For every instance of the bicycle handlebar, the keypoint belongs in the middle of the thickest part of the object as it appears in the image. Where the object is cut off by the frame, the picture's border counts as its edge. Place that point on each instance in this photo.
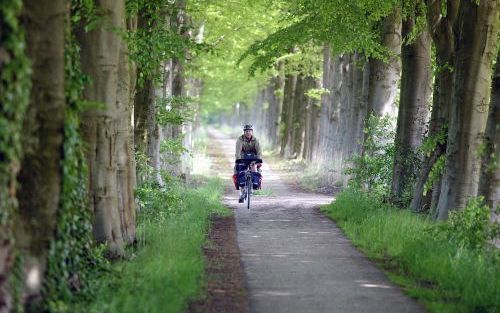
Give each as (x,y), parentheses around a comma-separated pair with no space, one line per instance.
(248,161)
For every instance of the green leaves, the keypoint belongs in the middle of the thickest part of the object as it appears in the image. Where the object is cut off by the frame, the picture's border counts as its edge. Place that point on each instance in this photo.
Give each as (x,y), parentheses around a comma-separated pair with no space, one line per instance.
(174,110)
(229,28)
(372,171)
(15,85)
(346,26)
(471,228)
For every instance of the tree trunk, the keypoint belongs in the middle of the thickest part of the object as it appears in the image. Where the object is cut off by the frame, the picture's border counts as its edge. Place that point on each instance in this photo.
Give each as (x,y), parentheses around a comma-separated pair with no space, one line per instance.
(275,101)
(489,183)
(143,98)
(339,107)
(358,107)
(325,142)
(440,27)
(476,30)
(125,148)
(310,118)
(43,131)
(100,58)
(416,89)
(298,118)
(384,77)
(287,114)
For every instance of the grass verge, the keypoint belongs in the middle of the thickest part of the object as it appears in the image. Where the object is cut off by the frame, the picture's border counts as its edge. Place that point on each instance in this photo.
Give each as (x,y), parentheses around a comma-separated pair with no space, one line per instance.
(167,269)
(446,278)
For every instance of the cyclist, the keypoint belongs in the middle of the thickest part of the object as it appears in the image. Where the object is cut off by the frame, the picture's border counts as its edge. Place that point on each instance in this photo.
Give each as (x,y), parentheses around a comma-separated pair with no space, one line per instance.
(246,144)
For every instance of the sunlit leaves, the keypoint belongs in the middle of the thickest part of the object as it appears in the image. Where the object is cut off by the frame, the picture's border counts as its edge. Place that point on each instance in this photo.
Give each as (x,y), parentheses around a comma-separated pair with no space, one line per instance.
(229,28)
(346,25)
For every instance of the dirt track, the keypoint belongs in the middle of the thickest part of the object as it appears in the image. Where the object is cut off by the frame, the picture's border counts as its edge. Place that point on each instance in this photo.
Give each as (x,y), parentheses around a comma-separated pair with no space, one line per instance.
(297,260)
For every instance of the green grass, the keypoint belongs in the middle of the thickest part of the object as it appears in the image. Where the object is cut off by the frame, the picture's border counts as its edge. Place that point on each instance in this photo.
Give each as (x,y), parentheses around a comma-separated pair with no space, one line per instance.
(167,270)
(432,269)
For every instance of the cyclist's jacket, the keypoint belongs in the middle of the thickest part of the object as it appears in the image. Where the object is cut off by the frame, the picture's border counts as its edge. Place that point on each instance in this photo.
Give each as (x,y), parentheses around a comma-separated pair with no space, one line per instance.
(244,145)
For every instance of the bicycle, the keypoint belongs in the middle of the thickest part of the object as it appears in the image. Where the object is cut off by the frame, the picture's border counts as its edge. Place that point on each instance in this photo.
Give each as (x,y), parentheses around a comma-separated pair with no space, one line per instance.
(248,184)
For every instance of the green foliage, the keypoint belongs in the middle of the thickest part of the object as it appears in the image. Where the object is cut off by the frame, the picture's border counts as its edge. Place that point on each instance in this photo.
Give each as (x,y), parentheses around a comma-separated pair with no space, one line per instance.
(229,28)
(471,227)
(174,110)
(86,13)
(416,11)
(432,142)
(446,275)
(316,93)
(15,85)
(429,145)
(73,257)
(169,260)
(346,26)
(373,169)
(172,149)
(435,174)
(157,38)
(152,196)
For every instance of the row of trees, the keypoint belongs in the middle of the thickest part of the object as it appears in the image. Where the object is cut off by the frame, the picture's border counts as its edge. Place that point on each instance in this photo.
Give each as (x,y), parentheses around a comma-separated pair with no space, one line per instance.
(425,65)
(88,91)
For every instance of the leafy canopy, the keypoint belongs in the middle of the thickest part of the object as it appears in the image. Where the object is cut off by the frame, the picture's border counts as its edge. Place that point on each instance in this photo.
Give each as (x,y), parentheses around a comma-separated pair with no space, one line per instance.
(229,27)
(345,25)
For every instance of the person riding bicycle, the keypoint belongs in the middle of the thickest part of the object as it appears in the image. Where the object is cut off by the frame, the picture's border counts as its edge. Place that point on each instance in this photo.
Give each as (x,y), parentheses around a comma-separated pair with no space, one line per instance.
(246,144)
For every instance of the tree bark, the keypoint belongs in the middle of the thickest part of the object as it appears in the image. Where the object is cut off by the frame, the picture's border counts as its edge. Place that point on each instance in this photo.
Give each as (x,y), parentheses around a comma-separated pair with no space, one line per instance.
(125,148)
(298,118)
(274,89)
(325,142)
(100,58)
(476,30)
(358,107)
(384,77)
(338,106)
(440,28)
(144,96)
(311,120)
(489,183)
(287,114)
(416,81)
(43,131)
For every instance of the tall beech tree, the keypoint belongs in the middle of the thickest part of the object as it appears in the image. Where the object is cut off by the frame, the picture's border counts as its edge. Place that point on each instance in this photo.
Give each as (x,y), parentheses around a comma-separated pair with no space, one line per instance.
(440,26)
(476,32)
(286,125)
(416,90)
(40,175)
(125,156)
(385,74)
(100,61)
(489,183)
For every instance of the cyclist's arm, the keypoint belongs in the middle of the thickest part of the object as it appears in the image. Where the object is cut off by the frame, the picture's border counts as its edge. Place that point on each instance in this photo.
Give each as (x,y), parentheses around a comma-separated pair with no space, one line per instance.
(238,149)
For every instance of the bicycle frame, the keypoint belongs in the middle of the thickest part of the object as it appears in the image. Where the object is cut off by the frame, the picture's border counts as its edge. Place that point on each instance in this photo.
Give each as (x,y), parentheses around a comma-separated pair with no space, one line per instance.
(247,188)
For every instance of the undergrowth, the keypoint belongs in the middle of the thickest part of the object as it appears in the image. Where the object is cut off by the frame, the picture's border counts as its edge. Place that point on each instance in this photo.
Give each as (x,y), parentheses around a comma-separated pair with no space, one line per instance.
(166,269)
(432,260)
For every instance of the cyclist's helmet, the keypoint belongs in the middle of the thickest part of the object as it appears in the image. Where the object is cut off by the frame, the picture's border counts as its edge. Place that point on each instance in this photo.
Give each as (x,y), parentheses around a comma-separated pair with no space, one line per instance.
(247,127)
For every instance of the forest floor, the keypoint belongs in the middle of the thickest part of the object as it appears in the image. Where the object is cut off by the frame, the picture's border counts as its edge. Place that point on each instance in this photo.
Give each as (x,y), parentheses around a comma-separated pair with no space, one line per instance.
(283,255)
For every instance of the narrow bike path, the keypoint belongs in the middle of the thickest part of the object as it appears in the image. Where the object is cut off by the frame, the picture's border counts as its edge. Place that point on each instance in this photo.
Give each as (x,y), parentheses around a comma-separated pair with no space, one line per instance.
(297,260)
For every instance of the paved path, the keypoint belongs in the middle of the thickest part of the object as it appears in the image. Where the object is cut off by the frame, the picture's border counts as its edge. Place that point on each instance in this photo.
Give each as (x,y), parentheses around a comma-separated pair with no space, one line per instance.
(297,260)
